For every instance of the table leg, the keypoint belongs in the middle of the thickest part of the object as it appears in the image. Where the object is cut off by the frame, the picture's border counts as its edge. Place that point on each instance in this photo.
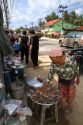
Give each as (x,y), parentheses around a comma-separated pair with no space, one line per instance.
(43,115)
(56,113)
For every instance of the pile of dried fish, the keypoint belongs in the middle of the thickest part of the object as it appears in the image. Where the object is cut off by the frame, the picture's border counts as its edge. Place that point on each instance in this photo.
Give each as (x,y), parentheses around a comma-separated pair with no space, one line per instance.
(47,94)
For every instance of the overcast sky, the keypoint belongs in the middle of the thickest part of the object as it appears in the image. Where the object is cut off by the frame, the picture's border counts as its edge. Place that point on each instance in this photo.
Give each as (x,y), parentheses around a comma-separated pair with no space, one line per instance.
(24,12)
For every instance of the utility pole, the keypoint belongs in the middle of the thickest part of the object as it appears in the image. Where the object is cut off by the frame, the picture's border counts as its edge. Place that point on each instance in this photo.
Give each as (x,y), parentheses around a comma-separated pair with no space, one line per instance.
(32,24)
(39,23)
(0,2)
(62,9)
(6,12)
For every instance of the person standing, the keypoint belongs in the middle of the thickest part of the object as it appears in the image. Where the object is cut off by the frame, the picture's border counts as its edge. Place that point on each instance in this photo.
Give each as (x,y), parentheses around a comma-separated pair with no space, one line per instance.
(68,74)
(17,47)
(34,47)
(12,39)
(25,47)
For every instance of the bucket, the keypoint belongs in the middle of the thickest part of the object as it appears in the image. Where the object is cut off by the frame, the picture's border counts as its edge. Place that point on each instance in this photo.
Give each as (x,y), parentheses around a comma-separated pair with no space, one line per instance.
(18,90)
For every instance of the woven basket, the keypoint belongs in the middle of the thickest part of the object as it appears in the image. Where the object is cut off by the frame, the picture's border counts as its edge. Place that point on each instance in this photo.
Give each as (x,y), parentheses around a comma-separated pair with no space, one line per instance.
(53,59)
(61,60)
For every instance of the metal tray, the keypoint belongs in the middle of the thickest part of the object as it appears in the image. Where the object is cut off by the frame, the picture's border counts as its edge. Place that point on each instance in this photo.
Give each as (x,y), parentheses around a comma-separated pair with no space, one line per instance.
(34,83)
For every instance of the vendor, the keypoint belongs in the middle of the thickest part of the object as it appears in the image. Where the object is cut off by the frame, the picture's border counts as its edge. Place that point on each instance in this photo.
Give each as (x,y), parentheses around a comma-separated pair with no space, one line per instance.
(68,74)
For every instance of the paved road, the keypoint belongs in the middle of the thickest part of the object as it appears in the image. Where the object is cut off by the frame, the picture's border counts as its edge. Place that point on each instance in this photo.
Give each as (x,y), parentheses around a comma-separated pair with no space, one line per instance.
(76,116)
(47,44)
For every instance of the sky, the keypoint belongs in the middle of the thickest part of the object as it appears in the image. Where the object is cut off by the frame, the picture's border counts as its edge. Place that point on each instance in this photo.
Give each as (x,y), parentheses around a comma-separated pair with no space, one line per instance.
(24,12)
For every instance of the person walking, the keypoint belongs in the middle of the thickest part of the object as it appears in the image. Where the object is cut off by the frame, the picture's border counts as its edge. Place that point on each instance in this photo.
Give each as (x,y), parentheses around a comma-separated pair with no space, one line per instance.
(25,47)
(68,74)
(34,47)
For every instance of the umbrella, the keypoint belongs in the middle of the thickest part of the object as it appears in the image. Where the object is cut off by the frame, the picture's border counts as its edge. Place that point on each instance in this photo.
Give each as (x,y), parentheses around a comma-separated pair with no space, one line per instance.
(5,46)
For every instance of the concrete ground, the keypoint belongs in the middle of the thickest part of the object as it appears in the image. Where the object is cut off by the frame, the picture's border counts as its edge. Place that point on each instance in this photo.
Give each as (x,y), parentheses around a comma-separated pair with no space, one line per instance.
(75,117)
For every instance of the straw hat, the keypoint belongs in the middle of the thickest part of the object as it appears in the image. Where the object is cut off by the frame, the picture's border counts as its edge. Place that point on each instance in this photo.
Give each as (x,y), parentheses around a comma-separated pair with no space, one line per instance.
(57,52)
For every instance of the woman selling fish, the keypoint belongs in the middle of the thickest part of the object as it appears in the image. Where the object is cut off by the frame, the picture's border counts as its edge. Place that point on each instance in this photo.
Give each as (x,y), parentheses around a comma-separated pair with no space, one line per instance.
(68,74)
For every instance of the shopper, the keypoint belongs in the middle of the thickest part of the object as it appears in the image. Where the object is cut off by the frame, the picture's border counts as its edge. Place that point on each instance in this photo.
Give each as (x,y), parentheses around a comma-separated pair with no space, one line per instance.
(34,47)
(12,39)
(25,47)
(17,47)
(68,74)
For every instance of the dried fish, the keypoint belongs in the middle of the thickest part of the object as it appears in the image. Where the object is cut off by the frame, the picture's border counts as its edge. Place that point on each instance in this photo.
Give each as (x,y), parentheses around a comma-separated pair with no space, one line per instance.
(47,94)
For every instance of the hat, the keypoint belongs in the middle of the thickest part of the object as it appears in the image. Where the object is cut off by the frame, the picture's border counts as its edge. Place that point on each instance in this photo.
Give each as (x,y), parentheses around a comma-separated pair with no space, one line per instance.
(56,52)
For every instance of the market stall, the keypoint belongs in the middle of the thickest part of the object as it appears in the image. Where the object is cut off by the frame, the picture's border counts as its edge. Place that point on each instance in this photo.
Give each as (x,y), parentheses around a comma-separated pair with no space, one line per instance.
(14,76)
(12,111)
(44,95)
(5,50)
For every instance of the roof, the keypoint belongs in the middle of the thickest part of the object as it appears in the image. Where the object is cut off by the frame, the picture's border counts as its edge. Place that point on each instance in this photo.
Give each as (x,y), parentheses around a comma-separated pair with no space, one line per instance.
(80,28)
(50,23)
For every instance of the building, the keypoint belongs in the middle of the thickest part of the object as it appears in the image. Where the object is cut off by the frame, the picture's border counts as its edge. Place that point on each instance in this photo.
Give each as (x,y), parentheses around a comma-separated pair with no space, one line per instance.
(56,27)
(79,28)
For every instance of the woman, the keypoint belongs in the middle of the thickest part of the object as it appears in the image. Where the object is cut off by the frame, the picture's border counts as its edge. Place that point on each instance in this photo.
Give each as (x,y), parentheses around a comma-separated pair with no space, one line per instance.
(68,74)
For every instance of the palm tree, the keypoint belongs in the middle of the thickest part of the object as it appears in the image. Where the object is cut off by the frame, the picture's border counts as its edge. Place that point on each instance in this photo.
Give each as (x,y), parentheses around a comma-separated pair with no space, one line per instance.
(66,16)
(73,17)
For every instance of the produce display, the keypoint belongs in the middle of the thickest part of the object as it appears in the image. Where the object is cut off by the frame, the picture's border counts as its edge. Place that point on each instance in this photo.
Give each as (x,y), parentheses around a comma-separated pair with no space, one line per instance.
(47,94)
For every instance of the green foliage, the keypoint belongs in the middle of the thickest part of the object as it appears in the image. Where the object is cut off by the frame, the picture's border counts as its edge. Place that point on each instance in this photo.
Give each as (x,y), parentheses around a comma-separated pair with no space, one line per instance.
(66,16)
(52,16)
(72,18)
(18,30)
